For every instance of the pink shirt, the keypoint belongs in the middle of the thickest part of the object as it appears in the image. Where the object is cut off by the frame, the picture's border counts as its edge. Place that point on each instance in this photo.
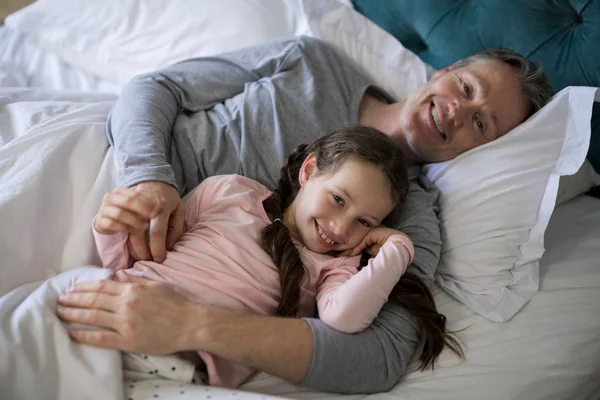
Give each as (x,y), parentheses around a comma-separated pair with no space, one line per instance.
(219,261)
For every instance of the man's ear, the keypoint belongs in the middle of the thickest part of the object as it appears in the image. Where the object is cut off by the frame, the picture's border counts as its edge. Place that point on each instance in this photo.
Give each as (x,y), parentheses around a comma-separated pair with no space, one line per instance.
(308,168)
(442,71)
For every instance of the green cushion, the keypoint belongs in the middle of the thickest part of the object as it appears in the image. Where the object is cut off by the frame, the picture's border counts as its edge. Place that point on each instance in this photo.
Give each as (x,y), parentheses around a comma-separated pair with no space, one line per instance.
(563,35)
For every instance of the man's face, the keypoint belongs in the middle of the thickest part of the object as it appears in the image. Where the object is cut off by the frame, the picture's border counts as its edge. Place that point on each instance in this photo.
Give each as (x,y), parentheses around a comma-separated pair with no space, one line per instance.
(460,109)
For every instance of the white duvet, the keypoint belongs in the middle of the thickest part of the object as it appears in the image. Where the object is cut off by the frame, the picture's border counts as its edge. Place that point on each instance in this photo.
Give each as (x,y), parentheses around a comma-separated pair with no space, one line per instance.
(55,167)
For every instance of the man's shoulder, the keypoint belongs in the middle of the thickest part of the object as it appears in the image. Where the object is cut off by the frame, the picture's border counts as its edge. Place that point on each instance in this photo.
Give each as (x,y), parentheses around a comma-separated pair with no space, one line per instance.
(308,46)
(418,216)
(422,192)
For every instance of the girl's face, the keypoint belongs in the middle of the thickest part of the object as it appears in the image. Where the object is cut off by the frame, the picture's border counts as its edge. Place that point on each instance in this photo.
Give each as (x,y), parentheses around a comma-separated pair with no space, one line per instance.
(334,211)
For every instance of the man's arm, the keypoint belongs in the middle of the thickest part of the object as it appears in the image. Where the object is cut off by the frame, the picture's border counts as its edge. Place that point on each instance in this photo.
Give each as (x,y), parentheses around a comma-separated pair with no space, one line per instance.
(148,317)
(140,128)
(154,319)
(141,122)
(139,315)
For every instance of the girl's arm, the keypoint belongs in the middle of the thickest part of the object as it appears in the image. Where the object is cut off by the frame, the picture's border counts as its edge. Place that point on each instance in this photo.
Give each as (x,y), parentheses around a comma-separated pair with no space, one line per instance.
(113,250)
(349,303)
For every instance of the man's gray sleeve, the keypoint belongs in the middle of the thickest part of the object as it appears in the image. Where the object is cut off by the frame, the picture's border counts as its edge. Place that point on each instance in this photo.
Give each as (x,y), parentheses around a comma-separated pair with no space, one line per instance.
(375,359)
(140,124)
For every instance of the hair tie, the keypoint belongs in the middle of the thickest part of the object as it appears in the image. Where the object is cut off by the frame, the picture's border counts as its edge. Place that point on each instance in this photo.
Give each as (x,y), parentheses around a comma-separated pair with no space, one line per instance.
(277,219)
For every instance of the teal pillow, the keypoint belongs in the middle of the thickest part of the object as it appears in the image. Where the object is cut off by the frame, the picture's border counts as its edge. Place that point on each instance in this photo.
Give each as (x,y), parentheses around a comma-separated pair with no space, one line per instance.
(563,35)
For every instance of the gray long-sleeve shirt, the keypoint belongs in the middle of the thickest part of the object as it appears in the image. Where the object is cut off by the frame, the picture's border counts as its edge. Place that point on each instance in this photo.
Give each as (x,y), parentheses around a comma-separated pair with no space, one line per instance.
(244,112)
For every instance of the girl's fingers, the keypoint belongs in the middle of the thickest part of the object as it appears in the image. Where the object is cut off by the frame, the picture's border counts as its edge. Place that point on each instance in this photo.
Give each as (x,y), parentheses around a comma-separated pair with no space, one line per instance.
(359,249)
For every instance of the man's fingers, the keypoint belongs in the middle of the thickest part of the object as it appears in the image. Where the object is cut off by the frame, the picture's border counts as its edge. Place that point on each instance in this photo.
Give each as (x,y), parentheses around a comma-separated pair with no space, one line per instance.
(91,317)
(158,237)
(100,301)
(106,339)
(139,245)
(122,276)
(105,286)
(110,215)
(132,201)
(107,225)
(176,225)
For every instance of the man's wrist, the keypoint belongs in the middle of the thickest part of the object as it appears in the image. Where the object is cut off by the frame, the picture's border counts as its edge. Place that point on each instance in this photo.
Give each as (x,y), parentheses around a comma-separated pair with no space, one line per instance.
(197,320)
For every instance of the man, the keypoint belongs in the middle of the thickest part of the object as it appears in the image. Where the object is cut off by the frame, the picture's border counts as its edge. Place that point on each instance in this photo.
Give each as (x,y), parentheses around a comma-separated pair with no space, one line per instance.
(244,112)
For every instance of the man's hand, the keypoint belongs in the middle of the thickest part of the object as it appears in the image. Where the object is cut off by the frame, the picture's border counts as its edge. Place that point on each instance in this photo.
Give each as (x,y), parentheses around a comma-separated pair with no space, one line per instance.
(166,226)
(134,314)
(139,315)
(124,210)
(373,241)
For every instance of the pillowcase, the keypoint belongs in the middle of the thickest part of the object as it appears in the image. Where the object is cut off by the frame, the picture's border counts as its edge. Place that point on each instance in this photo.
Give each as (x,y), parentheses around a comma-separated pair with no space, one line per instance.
(117,40)
(571,186)
(496,201)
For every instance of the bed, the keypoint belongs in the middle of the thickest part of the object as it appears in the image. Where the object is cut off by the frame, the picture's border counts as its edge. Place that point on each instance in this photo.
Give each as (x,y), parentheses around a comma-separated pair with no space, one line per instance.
(550,349)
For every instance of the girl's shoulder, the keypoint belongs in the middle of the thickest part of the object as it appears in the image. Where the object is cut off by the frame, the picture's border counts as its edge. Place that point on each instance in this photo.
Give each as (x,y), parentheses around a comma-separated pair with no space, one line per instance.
(234,184)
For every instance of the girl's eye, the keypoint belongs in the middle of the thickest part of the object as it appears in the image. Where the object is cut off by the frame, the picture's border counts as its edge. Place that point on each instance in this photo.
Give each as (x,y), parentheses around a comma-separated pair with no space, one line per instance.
(338,199)
(364,222)
(480,125)
(467,89)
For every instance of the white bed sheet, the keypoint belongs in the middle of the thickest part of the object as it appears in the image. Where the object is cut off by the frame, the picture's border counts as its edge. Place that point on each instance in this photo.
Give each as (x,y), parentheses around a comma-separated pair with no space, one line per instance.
(24,64)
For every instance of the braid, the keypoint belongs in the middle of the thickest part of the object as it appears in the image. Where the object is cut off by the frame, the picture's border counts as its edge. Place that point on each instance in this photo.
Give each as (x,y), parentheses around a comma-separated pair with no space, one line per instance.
(276,239)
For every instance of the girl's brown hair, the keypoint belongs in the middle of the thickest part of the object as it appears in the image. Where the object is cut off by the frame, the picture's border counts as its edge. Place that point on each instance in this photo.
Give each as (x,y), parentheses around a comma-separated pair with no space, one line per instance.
(369,145)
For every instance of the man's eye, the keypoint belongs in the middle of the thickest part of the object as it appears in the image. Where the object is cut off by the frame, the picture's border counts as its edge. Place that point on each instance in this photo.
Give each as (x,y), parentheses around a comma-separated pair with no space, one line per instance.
(364,222)
(467,89)
(338,199)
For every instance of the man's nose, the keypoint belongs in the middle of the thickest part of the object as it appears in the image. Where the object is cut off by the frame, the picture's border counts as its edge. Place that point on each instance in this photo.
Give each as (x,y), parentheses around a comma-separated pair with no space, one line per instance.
(455,110)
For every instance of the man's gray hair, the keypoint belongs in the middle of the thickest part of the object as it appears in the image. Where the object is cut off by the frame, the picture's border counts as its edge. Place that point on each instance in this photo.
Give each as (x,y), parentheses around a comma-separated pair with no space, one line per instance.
(533,79)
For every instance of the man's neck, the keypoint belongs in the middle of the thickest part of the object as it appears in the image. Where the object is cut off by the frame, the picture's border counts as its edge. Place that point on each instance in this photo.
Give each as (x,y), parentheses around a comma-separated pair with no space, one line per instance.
(385,117)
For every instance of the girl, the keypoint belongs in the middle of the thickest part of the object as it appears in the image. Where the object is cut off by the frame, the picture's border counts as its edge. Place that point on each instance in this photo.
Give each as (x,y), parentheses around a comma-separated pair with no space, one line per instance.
(285,252)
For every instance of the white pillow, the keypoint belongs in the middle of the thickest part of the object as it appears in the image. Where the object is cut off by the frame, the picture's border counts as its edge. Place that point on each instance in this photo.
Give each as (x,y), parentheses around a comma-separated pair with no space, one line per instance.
(496,202)
(118,40)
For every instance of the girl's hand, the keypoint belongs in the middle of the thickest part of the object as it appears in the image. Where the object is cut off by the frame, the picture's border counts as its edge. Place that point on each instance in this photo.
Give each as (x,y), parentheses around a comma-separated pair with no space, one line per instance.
(124,210)
(373,241)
